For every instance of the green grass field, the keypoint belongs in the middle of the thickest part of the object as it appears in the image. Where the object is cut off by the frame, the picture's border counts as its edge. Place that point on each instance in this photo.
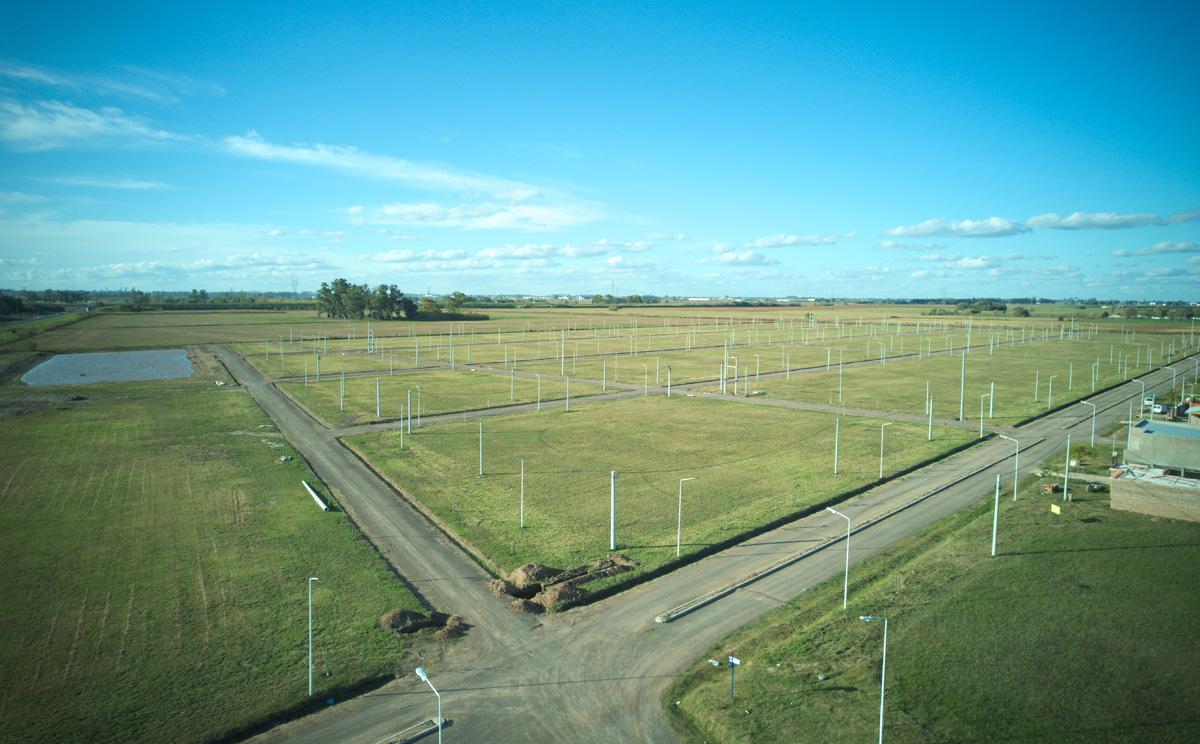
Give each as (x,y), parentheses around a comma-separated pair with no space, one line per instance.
(900,386)
(441,391)
(753,464)
(154,553)
(1082,630)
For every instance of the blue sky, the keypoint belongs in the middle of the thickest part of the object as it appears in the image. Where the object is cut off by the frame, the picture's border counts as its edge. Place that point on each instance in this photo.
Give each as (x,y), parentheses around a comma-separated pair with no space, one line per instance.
(699,150)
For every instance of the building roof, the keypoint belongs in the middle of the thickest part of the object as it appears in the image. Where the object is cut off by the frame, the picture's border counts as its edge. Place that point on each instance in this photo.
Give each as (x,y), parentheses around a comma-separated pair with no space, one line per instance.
(1169,430)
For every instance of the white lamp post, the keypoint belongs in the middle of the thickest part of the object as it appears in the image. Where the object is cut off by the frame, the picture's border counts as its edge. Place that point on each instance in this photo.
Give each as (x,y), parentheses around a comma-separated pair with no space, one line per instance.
(846,580)
(995,515)
(679,518)
(883,674)
(1093,405)
(311,579)
(425,678)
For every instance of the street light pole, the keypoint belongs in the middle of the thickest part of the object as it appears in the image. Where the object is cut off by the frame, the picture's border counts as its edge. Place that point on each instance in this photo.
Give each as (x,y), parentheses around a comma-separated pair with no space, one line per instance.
(846,580)
(612,511)
(1016,462)
(1093,405)
(311,579)
(425,678)
(679,518)
(883,674)
(995,515)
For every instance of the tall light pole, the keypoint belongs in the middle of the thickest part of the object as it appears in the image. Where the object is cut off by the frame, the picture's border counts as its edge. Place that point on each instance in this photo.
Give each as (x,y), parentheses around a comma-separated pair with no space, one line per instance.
(539,389)
(846,580)
(995,515)
(962,386)
(612,511)
(1050,393)
(1141,398)
(679,518)
(881,428)
(311,579)
(481,446)
(883,674)
(985,395)
(1016,462)
(1093,405)
(425,678)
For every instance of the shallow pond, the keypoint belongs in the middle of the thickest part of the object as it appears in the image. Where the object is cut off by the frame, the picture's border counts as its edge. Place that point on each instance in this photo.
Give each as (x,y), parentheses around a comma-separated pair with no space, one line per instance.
(117,366)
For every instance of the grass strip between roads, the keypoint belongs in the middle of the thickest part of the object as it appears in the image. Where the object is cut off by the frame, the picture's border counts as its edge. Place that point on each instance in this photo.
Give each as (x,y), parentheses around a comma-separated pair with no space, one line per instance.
(1081,630)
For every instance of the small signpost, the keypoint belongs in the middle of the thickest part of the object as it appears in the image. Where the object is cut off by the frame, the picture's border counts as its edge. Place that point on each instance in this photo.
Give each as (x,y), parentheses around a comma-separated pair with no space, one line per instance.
(734,662)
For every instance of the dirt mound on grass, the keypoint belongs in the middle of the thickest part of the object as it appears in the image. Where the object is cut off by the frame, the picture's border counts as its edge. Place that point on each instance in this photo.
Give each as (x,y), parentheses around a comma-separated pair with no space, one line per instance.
(558,594)
(501,588)
(408,621)
(526,605)
(530,577)
(454,628)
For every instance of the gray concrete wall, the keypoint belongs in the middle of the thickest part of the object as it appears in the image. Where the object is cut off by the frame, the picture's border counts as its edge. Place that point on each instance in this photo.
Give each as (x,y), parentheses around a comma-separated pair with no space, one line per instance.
(1160,450)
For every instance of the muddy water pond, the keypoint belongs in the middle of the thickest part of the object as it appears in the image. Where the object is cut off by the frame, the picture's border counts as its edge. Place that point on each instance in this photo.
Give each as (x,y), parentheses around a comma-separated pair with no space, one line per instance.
(119,366)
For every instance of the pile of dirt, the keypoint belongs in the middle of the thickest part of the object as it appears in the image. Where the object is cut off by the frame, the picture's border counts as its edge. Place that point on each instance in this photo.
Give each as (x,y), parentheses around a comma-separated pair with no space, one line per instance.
(501,588)
(528,579)
(408,621)
(537,587)
(454,628)
(597,569)
(558,594)
(526,605)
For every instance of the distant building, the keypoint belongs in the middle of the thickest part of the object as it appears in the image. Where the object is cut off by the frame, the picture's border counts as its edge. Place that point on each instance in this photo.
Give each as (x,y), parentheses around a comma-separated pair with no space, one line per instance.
(1161,475)
(1165,445)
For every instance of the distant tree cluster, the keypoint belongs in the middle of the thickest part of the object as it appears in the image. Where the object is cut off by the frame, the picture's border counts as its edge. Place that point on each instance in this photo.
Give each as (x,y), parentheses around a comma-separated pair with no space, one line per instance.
(341,299)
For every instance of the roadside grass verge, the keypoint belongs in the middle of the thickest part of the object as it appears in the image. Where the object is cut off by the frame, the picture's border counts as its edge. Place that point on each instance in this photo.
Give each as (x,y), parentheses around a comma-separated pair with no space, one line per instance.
(1082,629)
(752,465)
(154,552)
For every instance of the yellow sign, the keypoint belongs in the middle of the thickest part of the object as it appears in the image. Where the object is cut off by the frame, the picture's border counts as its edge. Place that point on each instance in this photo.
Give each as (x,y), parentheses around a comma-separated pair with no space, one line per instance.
(1054,508)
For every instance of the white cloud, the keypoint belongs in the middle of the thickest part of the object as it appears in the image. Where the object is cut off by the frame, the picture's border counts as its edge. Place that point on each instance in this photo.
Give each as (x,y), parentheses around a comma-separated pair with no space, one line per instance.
(1163,247)
(656,236)
(892,245)
(785,239)
(17,197)
(351,159)
(129,184)
(486,215)
(19,261)
(979,262)
(742,258)
(1107,220)
(248,266)
(991,227)
(51,125)
(131,81)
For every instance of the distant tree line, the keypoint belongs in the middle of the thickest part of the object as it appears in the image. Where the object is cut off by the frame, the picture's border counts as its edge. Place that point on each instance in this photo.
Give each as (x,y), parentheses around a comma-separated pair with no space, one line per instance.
(341,299)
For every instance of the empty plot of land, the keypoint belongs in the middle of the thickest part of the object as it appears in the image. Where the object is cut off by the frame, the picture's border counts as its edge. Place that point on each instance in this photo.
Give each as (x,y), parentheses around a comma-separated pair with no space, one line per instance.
(154,552)
(1027,380)
(751,464)
(442,391)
